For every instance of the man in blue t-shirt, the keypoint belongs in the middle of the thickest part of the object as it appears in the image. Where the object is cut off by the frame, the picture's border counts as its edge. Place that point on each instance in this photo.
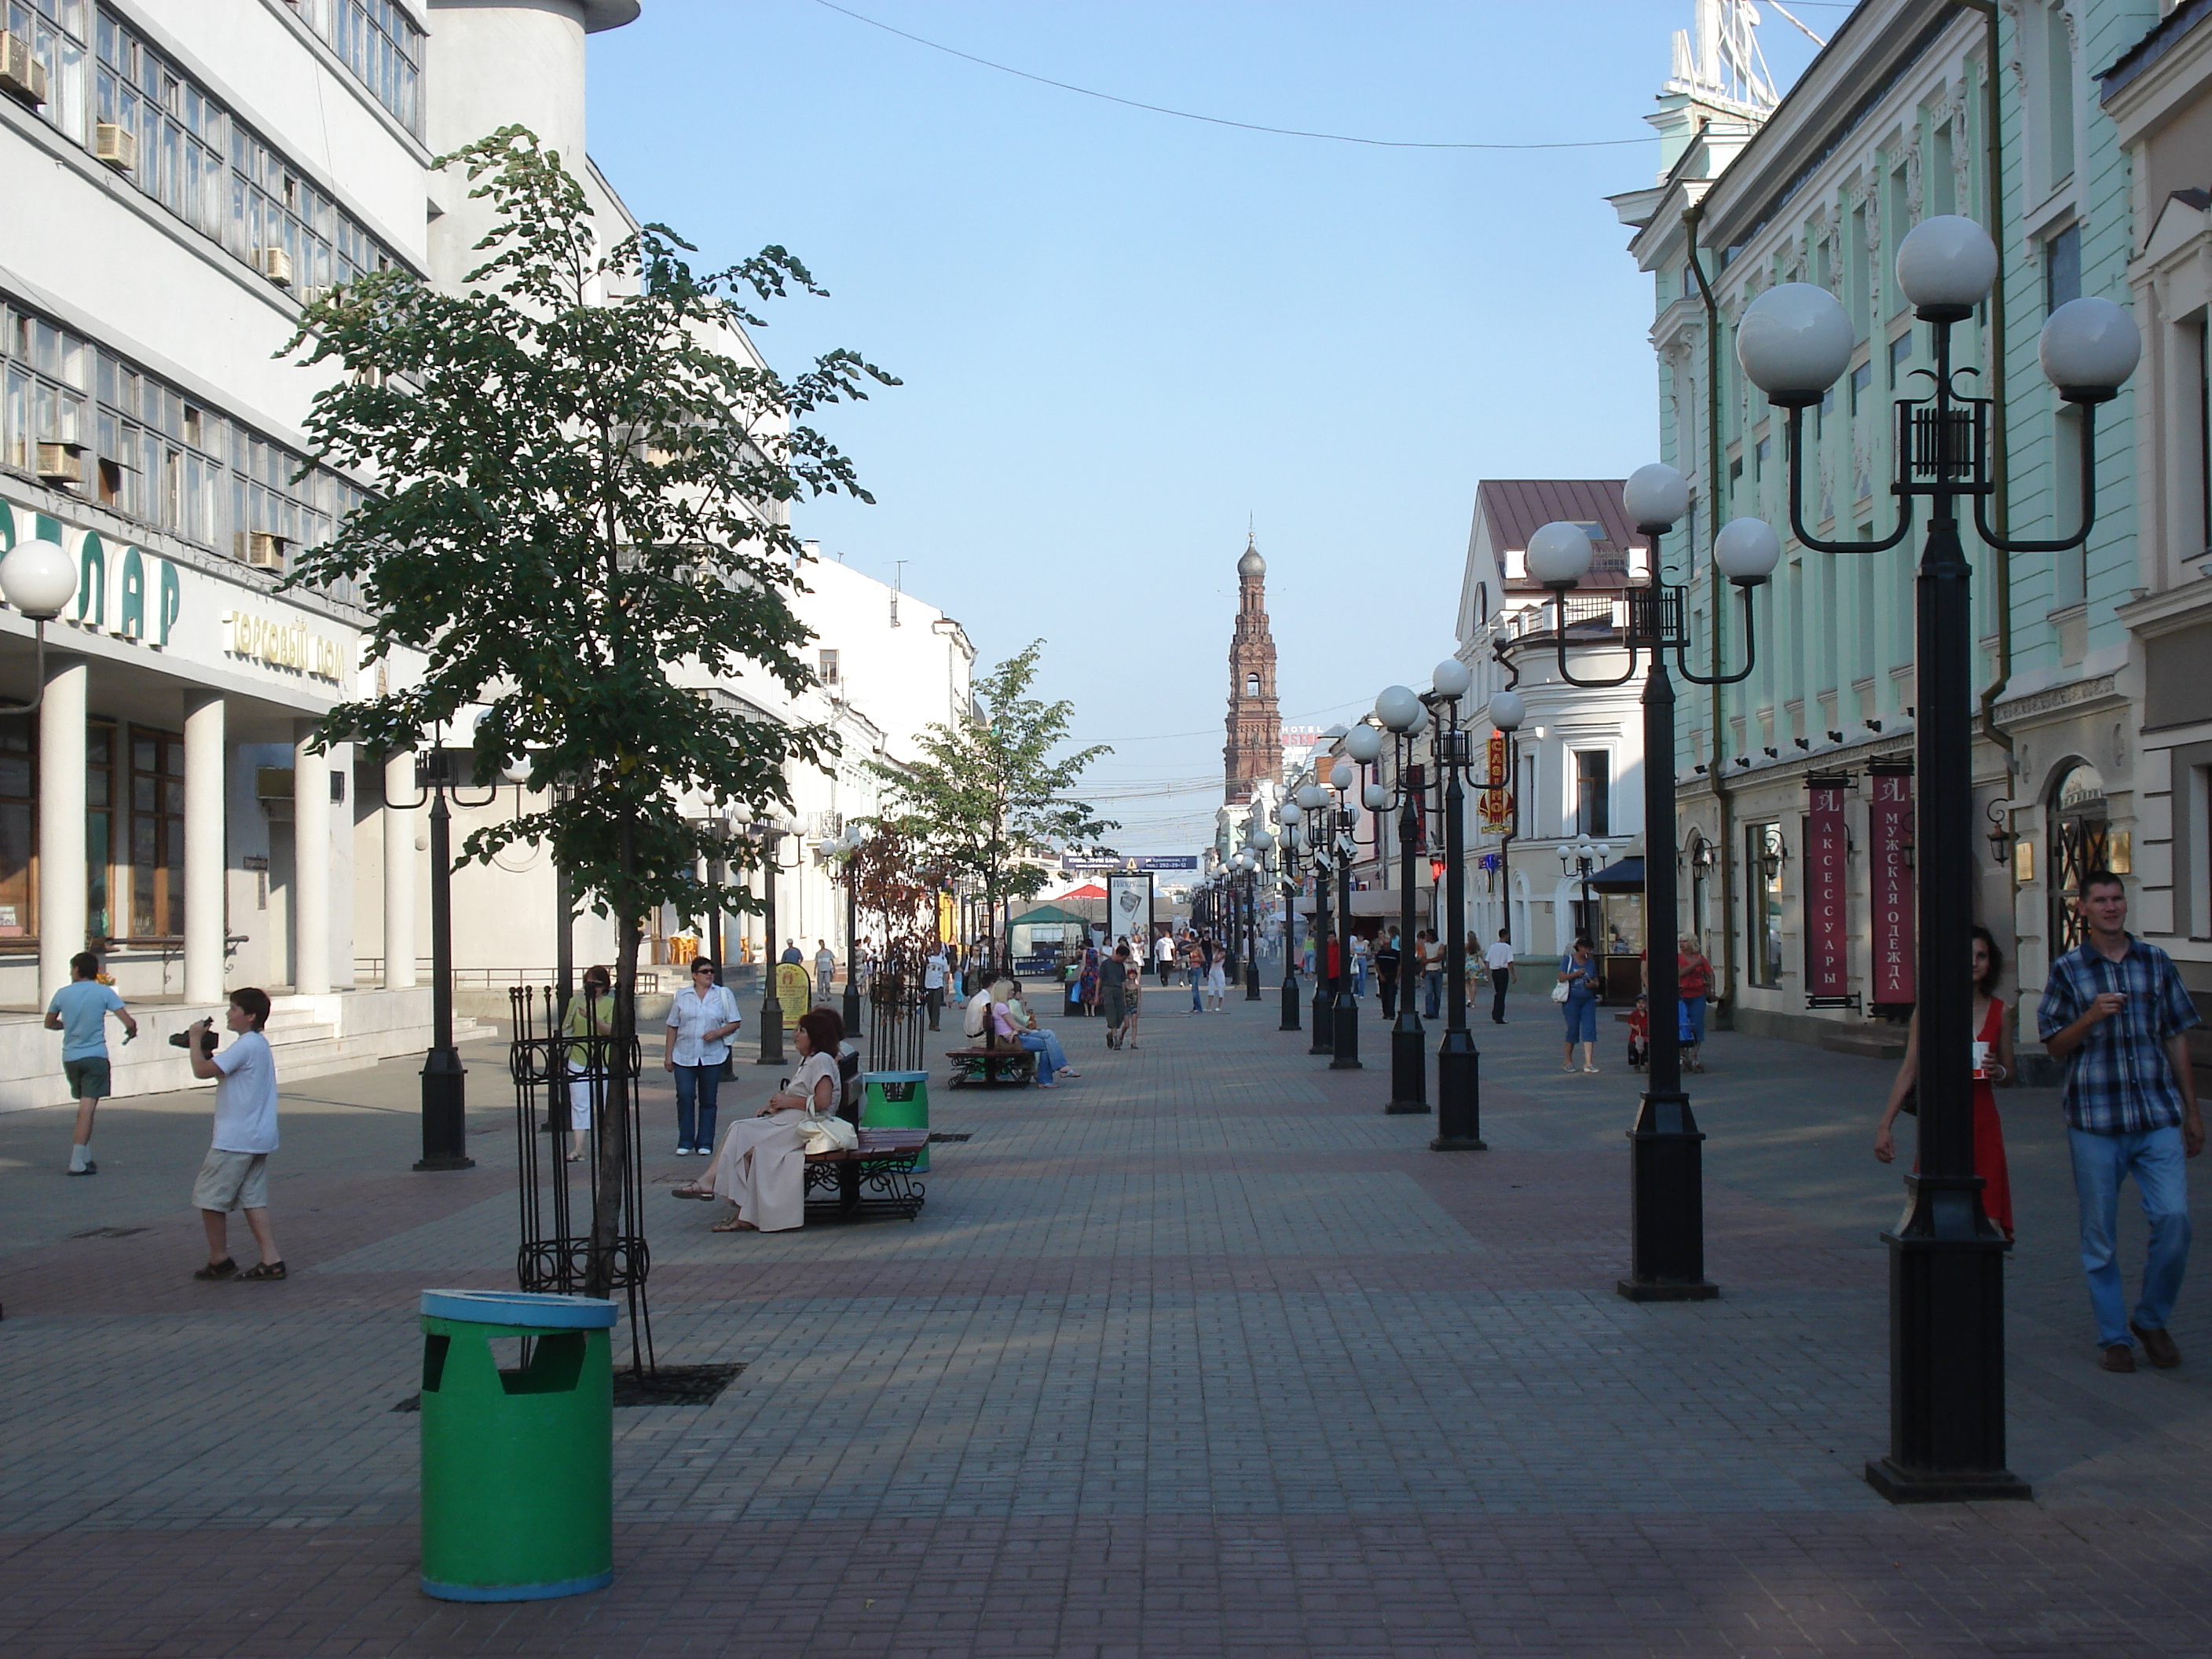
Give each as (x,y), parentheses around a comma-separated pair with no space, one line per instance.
(79,1012)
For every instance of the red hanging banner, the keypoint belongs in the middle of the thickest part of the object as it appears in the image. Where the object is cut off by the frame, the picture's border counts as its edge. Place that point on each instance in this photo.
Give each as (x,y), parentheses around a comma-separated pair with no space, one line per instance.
(1889,827)
(1827,956)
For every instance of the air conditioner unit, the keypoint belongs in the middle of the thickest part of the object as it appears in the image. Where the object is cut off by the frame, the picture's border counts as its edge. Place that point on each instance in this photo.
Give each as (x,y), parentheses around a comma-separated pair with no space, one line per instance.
(314,295)
(61,464)
(261,549)
(275,264)
(117,146)
(21,75)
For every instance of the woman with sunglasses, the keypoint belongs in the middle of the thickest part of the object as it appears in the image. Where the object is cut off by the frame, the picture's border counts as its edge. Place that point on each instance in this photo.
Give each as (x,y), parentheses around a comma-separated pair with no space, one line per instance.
(703,1017)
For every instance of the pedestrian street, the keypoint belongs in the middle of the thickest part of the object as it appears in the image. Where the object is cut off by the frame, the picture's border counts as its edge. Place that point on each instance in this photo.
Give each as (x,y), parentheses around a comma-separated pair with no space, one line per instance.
(1200,1353)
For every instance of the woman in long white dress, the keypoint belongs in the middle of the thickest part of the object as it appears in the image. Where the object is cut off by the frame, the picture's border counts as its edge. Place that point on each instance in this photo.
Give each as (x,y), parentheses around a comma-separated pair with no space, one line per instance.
(762,1165)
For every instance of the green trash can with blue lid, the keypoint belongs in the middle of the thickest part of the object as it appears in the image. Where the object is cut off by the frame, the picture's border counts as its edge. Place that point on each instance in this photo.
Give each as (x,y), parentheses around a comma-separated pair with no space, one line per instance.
(896,1100)
(517,1459)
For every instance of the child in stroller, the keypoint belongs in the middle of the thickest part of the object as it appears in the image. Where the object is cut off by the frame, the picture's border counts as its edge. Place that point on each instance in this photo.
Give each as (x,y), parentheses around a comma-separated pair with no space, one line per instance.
(1640,1034)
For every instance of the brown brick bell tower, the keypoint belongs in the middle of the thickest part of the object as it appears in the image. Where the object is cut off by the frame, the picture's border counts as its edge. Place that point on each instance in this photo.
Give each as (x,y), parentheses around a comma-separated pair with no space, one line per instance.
(1254,749)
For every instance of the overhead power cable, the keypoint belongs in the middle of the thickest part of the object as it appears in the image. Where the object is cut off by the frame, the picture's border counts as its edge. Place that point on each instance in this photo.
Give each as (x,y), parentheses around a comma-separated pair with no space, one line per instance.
(1221,120)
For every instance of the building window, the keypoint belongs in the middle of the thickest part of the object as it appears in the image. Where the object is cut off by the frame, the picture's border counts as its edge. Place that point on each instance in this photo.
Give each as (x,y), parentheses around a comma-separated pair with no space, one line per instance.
(380,43)
(1251,686)
(1762,863)
(157,836)
(19,808)
(1900,355)
(2202,370)
(209,170)
(2062,268)
(99,830)
(829,667)
(47,372)
(56,31)
(1593,791)
(2049,54)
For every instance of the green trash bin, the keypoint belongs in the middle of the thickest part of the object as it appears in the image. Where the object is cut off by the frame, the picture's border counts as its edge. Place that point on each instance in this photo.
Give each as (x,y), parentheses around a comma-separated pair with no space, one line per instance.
(518,1464)
(896,1100)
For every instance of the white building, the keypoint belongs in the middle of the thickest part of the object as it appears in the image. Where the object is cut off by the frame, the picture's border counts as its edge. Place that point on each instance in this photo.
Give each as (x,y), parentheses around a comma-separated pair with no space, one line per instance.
(179,173)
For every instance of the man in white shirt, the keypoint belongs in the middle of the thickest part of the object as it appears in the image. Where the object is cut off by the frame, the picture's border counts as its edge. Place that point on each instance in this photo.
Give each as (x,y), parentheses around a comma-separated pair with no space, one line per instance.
(1164,954)
(933,975)
(235,1174)
(703,1017)
(825,967)
(1499,959)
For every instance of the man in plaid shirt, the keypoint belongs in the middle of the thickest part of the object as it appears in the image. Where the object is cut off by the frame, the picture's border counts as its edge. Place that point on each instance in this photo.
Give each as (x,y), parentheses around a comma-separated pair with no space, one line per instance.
(2118,1009)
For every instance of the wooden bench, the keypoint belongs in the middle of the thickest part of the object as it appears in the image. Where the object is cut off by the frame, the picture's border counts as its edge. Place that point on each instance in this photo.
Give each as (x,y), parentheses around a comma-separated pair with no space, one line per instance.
(882,1164)
(992,1068)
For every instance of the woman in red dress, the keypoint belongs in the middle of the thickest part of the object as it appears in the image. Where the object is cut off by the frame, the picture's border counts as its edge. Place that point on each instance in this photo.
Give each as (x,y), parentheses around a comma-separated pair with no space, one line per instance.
(1993,1058)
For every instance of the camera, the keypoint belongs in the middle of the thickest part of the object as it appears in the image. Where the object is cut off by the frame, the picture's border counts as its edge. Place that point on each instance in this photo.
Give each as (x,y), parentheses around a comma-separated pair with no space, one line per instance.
(184,1040)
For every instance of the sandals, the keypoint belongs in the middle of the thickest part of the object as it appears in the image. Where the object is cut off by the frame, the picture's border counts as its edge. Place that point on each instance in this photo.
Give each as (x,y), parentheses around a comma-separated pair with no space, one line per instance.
(734,1225)
(225,1268)
(698,1192)
(265,1270)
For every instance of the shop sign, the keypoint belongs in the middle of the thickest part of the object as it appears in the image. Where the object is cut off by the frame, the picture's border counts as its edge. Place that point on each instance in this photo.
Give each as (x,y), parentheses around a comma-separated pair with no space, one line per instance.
(290,646)
(1494,808)
(120,590)
(1889,831)
(1827,973)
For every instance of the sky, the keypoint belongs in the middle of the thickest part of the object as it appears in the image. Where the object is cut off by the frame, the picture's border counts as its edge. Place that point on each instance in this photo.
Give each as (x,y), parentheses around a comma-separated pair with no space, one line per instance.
(1123,335)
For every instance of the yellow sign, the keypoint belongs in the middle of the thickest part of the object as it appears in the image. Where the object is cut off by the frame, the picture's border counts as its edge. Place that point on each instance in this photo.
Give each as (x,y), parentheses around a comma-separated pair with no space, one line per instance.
(794,989)
(283,645)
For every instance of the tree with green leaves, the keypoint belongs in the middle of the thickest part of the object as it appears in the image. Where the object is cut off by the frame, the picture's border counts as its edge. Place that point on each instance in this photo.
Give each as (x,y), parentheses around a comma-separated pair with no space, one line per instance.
(577,522)
(992,786)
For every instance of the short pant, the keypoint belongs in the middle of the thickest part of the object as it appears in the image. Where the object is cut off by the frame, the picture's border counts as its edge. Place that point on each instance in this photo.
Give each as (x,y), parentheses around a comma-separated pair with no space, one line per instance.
(88,1079)
(232,1181)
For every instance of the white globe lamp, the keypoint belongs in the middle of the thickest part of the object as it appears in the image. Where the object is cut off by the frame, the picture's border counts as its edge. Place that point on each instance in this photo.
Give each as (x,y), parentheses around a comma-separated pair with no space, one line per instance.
(1793,342)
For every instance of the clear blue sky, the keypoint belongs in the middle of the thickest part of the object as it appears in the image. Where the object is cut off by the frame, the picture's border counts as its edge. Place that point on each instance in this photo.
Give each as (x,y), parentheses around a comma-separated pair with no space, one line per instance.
(1121,333)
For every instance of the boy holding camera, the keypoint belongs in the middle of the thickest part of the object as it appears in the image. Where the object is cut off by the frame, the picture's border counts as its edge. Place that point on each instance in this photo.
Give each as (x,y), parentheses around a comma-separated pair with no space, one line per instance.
(235,1174)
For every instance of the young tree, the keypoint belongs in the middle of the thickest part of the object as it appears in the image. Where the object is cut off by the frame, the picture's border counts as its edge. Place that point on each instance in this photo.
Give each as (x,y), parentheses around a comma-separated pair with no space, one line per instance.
(575,521)
(988,788)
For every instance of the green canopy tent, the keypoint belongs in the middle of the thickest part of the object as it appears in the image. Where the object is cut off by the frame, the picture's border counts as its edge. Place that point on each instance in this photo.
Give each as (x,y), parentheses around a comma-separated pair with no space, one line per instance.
(1047,932)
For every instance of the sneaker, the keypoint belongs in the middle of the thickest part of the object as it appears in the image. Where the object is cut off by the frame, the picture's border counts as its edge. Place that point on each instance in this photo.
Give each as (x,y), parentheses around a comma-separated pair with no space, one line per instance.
(682,1151)
(91,1167)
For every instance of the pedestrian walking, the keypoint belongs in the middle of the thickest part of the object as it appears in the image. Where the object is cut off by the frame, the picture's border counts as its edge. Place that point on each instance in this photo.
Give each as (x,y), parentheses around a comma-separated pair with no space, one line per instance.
(1693,982)
(590,1020)
(1390,962)
(234,1175)
(825,968)
(934,973)
(1498,959)
(1579,977)
(1993,1064)
(1089,987)
(1133,1004)
(1217,977)
(1359,953)
(79,1012)
(1433,973)
(1197,957)
(1114,976)
(703,1017)
(1164,955)
(791,952)
(2116,1007)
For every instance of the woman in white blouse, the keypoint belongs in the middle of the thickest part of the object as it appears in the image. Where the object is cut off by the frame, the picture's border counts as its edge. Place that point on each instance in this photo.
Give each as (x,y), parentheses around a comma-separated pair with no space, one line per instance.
(761,1167)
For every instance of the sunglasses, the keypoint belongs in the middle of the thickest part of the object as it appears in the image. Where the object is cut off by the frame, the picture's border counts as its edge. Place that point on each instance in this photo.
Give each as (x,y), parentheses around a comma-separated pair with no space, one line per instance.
(702,970)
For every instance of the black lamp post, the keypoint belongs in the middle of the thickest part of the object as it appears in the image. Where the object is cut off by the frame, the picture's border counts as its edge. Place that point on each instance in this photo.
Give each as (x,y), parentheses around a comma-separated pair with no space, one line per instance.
(445,1081)
(845,849)
(1401,713)
(1258,841)
(1343,1007)
(1581,858)
(1666,1157)
(1290,816)
(1946,1271)
(1321,837)
(1459,1077)
(768,834)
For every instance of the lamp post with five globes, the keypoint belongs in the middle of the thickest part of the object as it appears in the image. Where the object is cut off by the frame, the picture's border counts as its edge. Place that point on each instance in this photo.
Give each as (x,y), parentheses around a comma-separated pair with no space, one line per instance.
(1946,1273)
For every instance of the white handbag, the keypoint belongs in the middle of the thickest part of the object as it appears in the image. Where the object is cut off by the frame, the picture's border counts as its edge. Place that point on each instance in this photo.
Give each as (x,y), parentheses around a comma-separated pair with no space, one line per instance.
(1559,992)
(825,1132)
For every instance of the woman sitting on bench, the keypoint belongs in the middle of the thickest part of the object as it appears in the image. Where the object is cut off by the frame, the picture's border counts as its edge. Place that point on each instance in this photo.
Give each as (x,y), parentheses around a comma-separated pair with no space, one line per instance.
(761,1167)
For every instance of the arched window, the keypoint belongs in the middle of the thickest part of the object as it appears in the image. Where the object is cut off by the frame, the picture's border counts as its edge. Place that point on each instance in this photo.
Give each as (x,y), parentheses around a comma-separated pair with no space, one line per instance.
(1251,686)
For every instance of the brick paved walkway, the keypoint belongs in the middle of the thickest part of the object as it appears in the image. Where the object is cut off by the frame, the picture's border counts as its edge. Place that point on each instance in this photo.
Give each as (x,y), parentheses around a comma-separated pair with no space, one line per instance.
(1199,1354)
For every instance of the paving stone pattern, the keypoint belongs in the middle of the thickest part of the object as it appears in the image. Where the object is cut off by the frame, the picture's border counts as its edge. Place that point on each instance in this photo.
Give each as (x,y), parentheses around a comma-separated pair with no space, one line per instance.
(1200,1353)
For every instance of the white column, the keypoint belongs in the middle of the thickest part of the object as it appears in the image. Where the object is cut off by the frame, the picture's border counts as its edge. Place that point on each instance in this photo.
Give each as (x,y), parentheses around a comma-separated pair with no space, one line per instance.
(311,867)
(398,873)
(62,915)
(204,911)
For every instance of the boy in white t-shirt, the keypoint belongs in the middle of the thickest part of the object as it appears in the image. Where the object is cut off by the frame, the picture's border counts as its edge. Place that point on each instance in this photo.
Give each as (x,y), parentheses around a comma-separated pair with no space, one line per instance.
(235,1174)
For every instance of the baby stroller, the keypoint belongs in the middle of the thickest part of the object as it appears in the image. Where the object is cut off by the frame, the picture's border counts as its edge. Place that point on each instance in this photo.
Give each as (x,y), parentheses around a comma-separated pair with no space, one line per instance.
(1639,1035)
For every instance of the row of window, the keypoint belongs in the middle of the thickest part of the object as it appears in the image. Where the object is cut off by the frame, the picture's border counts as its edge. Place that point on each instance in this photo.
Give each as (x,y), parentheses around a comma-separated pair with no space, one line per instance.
(136,787)
(74,415)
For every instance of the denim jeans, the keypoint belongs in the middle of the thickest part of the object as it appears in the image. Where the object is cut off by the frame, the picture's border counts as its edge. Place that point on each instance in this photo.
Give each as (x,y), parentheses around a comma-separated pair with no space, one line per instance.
(705,1082)
(2158,1162)
(1197,992)
(1432,993)
(1046,1047)
(1359,977)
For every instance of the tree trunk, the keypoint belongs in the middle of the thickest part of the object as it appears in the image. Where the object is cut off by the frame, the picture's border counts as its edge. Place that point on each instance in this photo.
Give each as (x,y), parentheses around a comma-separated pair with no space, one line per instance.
(611,1178)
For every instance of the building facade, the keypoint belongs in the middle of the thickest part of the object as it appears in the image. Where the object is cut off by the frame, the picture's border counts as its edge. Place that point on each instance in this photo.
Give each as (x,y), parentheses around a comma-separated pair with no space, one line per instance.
(1888,125)
(1253,752)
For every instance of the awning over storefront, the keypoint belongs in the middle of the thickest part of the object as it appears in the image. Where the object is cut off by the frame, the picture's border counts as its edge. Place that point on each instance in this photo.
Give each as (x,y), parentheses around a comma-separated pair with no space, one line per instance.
(1624,877)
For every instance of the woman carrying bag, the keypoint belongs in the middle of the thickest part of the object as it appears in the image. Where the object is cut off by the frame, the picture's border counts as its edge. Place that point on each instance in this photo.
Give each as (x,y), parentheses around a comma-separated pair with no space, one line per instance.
(1576,994)
(590,1015)
(761,1167)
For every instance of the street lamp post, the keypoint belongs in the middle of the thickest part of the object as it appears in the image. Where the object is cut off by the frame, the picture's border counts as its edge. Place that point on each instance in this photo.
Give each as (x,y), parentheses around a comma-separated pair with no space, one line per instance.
(445,1079)
(1260,839)
(769,833)
(1459,1079)
(1946,1274)
(1580,860)
(1343,1007)
(1290,815)
(1320,838)
(846,848)
(1402,714)
(1666,1157)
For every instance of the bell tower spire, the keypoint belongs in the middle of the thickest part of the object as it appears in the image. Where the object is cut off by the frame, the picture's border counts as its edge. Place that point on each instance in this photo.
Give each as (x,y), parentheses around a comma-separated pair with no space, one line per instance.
(1254,749)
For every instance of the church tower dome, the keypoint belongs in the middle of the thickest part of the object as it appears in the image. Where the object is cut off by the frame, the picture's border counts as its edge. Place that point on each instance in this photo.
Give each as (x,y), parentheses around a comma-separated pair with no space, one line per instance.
(1254,749)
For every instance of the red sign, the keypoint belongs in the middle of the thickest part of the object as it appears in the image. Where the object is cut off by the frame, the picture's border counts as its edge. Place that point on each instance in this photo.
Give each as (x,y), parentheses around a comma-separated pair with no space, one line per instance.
(1827,969)
(1496,809)
(1890,829)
